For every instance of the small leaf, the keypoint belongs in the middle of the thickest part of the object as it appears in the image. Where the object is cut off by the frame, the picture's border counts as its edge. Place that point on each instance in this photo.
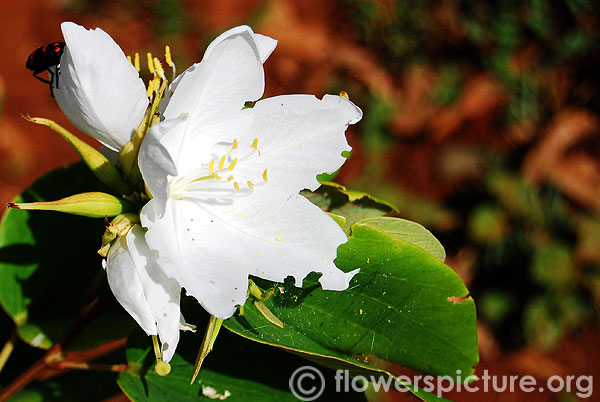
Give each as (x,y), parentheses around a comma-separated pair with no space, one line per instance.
(351,205)
(411,232)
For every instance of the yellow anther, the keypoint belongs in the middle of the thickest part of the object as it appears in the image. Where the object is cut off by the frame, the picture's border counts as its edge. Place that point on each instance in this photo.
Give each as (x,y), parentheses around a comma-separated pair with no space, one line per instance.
(218,177)
(236,185)
(168,56)
(150,90)
(232,165)
(344,95)
(222,162)
(159,68)
(265,175)
(129,59)
(136,61)
(211,166)
(150,62)
(156,83)
(230,178)
(255,143)
(250,185)
(235,145)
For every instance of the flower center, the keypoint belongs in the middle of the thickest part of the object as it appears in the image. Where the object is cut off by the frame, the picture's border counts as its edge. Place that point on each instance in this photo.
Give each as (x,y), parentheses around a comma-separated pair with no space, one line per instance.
(224,177)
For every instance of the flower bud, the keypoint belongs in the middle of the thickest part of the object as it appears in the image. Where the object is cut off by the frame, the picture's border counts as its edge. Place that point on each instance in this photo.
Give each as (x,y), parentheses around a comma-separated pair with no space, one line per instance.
(93,205)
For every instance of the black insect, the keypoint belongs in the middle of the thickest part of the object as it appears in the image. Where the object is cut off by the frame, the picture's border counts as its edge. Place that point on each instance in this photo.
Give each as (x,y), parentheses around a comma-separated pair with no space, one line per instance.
(44,57)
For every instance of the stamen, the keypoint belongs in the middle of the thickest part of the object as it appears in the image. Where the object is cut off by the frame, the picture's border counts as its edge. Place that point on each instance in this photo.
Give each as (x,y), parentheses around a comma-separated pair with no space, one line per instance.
(265,175)
(230,178)
(344,95)
(232,165)
(129,59)
(236,185)
(150,63)
(222,162)
(159,68)
(250,185)
(255,143)
(210,176)
(136,61)
(156,83)
(168,56)
(149,89)
(235,145)
(211,166)
(169,61)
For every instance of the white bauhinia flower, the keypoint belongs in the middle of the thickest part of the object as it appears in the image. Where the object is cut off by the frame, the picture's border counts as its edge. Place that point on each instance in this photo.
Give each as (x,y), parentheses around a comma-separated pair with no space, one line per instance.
(97,88)
(226,180)
(144,290)
(101,92)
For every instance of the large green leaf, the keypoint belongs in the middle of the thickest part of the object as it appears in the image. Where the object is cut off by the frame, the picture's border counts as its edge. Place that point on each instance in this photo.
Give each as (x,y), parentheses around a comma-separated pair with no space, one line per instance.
(248,371)
(400,308)
(47,262)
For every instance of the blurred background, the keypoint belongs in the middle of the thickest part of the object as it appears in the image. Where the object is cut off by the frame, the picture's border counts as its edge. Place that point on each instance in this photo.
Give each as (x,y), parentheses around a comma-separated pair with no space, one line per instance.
(481,123)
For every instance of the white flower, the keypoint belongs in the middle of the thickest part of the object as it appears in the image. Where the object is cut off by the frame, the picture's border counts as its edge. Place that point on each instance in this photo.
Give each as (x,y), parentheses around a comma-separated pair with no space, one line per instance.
(143,289)
(97,88)
(226,180)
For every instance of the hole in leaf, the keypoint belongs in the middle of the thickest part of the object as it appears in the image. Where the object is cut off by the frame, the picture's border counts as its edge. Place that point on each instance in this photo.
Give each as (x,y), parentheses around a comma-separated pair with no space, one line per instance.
(458,299)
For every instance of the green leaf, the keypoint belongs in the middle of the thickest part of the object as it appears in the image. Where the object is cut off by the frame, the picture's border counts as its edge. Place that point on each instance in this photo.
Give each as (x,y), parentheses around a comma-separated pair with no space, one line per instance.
(352,205)
(48,260)
(411,232)
(247,370)
(401,308)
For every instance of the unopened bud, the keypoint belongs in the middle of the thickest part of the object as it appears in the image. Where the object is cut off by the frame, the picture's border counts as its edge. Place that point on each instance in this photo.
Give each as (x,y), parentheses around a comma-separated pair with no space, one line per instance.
(93,205)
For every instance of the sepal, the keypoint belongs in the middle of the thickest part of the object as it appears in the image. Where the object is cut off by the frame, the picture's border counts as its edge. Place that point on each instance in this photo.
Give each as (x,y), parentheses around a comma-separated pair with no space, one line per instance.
(100,166)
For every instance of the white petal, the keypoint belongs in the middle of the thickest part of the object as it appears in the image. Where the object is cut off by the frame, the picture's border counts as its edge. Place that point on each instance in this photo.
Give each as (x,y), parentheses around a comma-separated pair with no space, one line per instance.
(299,137)
(212,93)
(200,253)
(154,160)
(265,45)
(127,286)
(211,248)
(144,290)
(284,235)
(98,89)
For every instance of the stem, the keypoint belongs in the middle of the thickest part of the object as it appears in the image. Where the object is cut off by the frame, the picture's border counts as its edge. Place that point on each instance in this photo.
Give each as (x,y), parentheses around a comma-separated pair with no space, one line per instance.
(55,354)
(24,379)
(7,349)
(70,365)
